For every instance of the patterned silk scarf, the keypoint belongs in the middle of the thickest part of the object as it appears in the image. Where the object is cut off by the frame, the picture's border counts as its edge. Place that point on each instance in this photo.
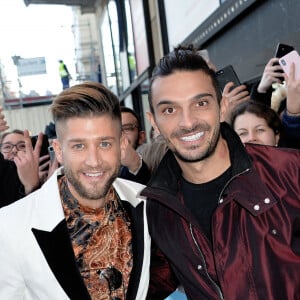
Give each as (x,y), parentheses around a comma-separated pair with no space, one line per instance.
(101,240)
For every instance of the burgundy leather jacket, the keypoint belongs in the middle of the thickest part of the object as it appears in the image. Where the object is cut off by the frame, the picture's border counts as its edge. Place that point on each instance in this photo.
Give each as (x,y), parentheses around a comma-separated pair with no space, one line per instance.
(255,252)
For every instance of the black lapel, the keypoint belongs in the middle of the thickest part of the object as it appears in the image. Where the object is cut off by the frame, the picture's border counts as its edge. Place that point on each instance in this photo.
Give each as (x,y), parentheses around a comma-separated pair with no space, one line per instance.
(137,230)
(57,249)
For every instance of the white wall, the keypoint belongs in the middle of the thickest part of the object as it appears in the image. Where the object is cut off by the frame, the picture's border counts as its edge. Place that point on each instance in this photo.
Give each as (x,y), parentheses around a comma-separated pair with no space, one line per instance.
(34,118)
(185,16)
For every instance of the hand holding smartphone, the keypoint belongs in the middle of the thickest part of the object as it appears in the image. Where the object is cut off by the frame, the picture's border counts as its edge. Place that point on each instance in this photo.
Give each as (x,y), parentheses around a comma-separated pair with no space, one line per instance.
(226,75)
(45,144)
(287,60)
(282,50)
(44,151)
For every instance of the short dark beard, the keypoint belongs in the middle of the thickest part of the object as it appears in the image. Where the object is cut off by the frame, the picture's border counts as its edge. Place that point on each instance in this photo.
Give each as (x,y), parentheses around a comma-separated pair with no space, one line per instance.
(210,150)
(81,190)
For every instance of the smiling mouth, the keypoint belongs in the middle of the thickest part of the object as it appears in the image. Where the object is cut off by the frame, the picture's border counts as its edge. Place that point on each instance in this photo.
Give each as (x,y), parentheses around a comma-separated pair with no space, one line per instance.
(192,138)
(94,174)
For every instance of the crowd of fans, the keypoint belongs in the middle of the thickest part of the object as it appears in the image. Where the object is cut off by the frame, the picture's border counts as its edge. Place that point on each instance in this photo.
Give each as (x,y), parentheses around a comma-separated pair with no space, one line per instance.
(255,116)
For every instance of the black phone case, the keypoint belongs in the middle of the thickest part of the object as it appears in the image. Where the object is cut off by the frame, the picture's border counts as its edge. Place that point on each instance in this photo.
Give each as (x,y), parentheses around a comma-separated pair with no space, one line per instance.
(225,75)
(45,144)
(282,50)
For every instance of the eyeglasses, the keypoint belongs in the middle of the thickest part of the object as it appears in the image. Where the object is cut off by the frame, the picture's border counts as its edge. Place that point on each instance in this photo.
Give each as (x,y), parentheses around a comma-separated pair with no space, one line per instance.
(113,278)
(8,147)
(129,128)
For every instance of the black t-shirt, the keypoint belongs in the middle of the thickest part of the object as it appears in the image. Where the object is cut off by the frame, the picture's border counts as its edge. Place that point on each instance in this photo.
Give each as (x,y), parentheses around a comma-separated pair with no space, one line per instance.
(202,199)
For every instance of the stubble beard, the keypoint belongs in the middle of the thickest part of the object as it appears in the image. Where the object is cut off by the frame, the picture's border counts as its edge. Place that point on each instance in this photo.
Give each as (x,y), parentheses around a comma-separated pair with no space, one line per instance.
(92,193)
(210,149)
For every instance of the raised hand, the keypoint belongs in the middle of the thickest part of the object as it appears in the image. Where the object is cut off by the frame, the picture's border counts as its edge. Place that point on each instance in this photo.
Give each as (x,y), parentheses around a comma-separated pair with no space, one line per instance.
(27,163)
(233,97)
(270,75)
(293,93)
(3,123)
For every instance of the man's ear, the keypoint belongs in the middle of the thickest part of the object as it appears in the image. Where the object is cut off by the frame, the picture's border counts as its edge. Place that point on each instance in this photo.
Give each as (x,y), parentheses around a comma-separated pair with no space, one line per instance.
(224,110)
(123,145)
(152,121)
(142,137)
(58,151)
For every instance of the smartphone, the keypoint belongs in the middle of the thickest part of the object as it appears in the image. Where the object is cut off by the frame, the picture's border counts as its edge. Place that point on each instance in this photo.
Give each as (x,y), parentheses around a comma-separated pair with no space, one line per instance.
(51,153)
(225,75)
(281,50)
(45,144)
(44,148)
(287,60)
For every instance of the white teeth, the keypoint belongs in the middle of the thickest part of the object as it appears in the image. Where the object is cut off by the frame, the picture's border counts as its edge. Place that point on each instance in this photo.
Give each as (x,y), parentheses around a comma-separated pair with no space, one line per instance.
(192,138)
(93,174)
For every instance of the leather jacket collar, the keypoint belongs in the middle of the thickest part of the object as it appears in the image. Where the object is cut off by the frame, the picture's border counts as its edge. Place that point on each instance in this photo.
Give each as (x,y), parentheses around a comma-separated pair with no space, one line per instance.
(164,186)
(167,174)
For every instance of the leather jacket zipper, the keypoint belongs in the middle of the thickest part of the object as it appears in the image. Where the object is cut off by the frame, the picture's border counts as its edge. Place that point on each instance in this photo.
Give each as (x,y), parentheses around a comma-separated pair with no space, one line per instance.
(217,288)
(233,177)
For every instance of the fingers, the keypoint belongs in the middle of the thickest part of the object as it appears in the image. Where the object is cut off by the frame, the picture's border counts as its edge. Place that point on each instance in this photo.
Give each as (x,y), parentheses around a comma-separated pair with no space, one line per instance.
(17,160)
(124,144)
(242,94)
(272,62)
(38,145)
(28,143)
(53,166)
(235,93)
(44,158)
(3,123)
(240,89)
(43,175)
(292,72)
(22,158)
(273,70)
(227,88)
(276,68)
(44,166)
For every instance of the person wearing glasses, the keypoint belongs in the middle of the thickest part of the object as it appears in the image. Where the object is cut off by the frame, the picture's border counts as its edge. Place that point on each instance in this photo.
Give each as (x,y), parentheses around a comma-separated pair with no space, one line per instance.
(83,234)
(11,188)
(18,172)
(11,143)
(133,166)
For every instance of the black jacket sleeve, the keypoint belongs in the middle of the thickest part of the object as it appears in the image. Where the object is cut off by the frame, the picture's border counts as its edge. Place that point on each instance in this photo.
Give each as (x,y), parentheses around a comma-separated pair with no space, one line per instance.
(142,176)
(11,188)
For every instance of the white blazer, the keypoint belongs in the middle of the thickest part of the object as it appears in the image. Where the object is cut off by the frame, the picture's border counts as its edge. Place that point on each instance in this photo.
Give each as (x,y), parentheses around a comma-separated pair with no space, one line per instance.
(36,256)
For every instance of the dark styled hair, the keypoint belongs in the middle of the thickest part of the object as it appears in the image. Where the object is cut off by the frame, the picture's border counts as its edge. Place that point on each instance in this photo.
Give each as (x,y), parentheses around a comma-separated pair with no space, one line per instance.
(84,100)
(261,111)
(182,58)
(125,109)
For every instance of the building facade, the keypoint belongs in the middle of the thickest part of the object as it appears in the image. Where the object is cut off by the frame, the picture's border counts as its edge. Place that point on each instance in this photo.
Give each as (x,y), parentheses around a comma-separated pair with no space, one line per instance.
(129,36)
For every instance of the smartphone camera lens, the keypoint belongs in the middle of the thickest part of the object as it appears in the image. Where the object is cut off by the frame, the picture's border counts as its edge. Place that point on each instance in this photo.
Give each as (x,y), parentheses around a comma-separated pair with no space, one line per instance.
(283,62)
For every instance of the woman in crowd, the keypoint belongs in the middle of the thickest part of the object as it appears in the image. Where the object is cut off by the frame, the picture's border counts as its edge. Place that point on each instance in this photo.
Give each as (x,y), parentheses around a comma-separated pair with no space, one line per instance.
(19,164)
(11,143)
(256,123)
(289,109)
(14,141)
